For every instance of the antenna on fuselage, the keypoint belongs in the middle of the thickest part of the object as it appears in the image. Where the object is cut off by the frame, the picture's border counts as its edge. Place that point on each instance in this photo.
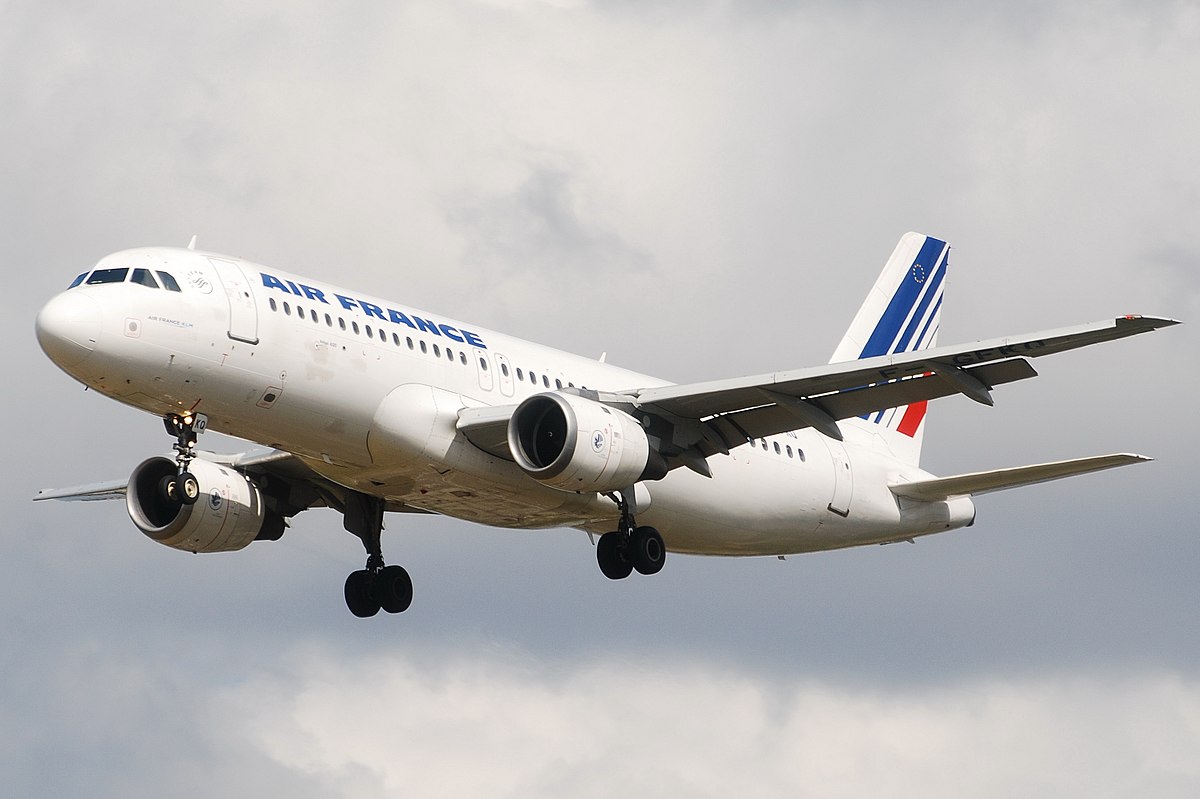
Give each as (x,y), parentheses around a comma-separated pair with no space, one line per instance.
(603,356)
(192,243)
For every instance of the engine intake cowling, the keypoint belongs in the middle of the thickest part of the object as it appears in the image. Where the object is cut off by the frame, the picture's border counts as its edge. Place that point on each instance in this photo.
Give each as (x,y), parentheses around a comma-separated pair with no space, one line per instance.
(228,515)
(577,444)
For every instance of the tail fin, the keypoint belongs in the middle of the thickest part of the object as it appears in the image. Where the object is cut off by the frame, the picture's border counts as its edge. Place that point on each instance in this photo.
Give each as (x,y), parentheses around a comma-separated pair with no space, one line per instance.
(900,314)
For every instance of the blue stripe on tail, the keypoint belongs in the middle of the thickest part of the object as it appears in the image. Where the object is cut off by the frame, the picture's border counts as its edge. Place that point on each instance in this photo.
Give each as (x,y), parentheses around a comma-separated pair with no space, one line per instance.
(920,285)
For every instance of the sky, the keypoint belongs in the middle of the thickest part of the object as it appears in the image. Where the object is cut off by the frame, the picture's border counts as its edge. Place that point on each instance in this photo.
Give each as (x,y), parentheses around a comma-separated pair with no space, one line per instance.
(702,190)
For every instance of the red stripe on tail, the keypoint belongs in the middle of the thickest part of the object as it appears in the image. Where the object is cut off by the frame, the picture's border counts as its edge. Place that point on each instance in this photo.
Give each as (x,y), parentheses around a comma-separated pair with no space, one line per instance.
(913,415)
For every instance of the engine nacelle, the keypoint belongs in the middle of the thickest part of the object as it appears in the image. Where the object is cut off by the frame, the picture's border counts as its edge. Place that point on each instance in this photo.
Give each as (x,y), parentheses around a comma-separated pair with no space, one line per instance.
(576,444)
(227,516)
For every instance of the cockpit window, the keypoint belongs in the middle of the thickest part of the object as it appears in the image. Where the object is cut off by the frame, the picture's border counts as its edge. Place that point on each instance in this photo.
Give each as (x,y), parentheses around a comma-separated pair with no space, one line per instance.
(168,282)
(144,277)
(77,280)
(108,276)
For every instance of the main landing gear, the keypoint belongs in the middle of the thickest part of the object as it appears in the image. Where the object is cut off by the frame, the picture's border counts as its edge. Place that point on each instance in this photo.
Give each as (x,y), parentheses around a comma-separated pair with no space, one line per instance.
(183,485)
(377,587)
(630,547)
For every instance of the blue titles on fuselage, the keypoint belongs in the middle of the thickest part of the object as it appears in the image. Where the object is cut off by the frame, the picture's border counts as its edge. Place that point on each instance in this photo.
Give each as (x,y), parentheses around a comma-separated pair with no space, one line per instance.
(371,309)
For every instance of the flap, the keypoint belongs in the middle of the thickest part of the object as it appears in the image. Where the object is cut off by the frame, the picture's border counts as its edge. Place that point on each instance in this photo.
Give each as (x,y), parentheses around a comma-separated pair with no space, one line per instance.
(768,420)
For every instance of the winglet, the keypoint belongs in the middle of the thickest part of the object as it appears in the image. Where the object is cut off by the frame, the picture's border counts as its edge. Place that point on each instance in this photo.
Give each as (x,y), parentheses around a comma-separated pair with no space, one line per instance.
(1148,322)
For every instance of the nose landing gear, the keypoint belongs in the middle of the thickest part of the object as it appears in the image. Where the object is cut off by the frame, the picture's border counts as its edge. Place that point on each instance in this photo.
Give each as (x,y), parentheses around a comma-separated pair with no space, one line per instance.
(183,485)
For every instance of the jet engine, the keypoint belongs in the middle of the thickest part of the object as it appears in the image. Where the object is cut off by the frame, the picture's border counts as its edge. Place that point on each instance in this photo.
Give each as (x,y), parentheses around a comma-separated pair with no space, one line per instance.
(576,444)
(228,515)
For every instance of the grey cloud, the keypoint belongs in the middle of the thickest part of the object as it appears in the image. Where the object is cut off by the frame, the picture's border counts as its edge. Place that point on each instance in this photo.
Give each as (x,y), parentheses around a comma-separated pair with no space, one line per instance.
(729,182)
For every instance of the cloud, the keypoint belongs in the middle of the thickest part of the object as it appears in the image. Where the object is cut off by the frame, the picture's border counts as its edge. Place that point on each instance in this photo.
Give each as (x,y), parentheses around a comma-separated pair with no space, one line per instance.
(712,187)
(465,726)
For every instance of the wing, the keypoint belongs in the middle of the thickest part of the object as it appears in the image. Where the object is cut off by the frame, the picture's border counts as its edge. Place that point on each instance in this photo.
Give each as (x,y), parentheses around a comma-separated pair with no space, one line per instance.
(691,422)
(92,492)
(257,461)
(289,484)
(733,411)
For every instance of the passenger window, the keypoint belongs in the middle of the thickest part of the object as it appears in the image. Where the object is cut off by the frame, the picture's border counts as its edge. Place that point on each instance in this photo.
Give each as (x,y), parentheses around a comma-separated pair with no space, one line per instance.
(313,316)
(328,320)
(462,357)
(341,323)
(450,355)
(271,302)
(382,335)
(437,351)
(396,339)
(424,348)
(370,332)
(483,363)
(800,453)
(77,281)
(168,281)
(504,369)
(520,374)
(108,276)
(354,325)
(763,441)
(287,309)
(558,383)
(776,447)
(789,450)
(410,342)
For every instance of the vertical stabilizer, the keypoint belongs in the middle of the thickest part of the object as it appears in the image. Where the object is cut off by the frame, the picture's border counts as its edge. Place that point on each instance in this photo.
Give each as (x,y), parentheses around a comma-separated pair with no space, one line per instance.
(900,314)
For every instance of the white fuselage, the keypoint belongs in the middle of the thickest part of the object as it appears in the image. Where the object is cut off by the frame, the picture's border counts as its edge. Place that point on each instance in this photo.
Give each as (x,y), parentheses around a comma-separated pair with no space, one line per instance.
(367,393)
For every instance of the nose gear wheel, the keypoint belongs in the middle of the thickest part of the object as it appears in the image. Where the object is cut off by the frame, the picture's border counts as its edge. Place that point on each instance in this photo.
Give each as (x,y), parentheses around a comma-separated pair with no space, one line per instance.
(183,486)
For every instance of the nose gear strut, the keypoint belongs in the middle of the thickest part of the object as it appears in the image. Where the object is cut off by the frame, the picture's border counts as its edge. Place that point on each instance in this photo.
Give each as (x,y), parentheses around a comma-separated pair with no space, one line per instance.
(183,485)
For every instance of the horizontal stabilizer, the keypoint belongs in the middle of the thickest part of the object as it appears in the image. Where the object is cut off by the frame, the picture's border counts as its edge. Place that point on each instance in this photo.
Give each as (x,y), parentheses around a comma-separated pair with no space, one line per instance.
(942,488)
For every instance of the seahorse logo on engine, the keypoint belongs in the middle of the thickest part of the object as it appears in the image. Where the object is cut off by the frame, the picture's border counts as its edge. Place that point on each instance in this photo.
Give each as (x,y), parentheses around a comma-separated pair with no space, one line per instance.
(598,441)
(215,499)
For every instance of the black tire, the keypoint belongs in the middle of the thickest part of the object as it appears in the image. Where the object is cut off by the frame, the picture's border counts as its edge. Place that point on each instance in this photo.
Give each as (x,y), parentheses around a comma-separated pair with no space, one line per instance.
(647,550)
(189,488)
(394,588)
(613,557)
(360,594)
(168,488)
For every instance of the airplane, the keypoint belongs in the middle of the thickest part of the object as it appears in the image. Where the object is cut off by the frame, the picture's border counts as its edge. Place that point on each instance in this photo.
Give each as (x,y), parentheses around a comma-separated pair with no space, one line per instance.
(368,406)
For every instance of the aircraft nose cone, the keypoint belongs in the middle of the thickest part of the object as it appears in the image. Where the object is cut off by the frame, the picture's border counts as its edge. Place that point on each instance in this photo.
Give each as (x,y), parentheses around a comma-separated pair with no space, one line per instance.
(68,328)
